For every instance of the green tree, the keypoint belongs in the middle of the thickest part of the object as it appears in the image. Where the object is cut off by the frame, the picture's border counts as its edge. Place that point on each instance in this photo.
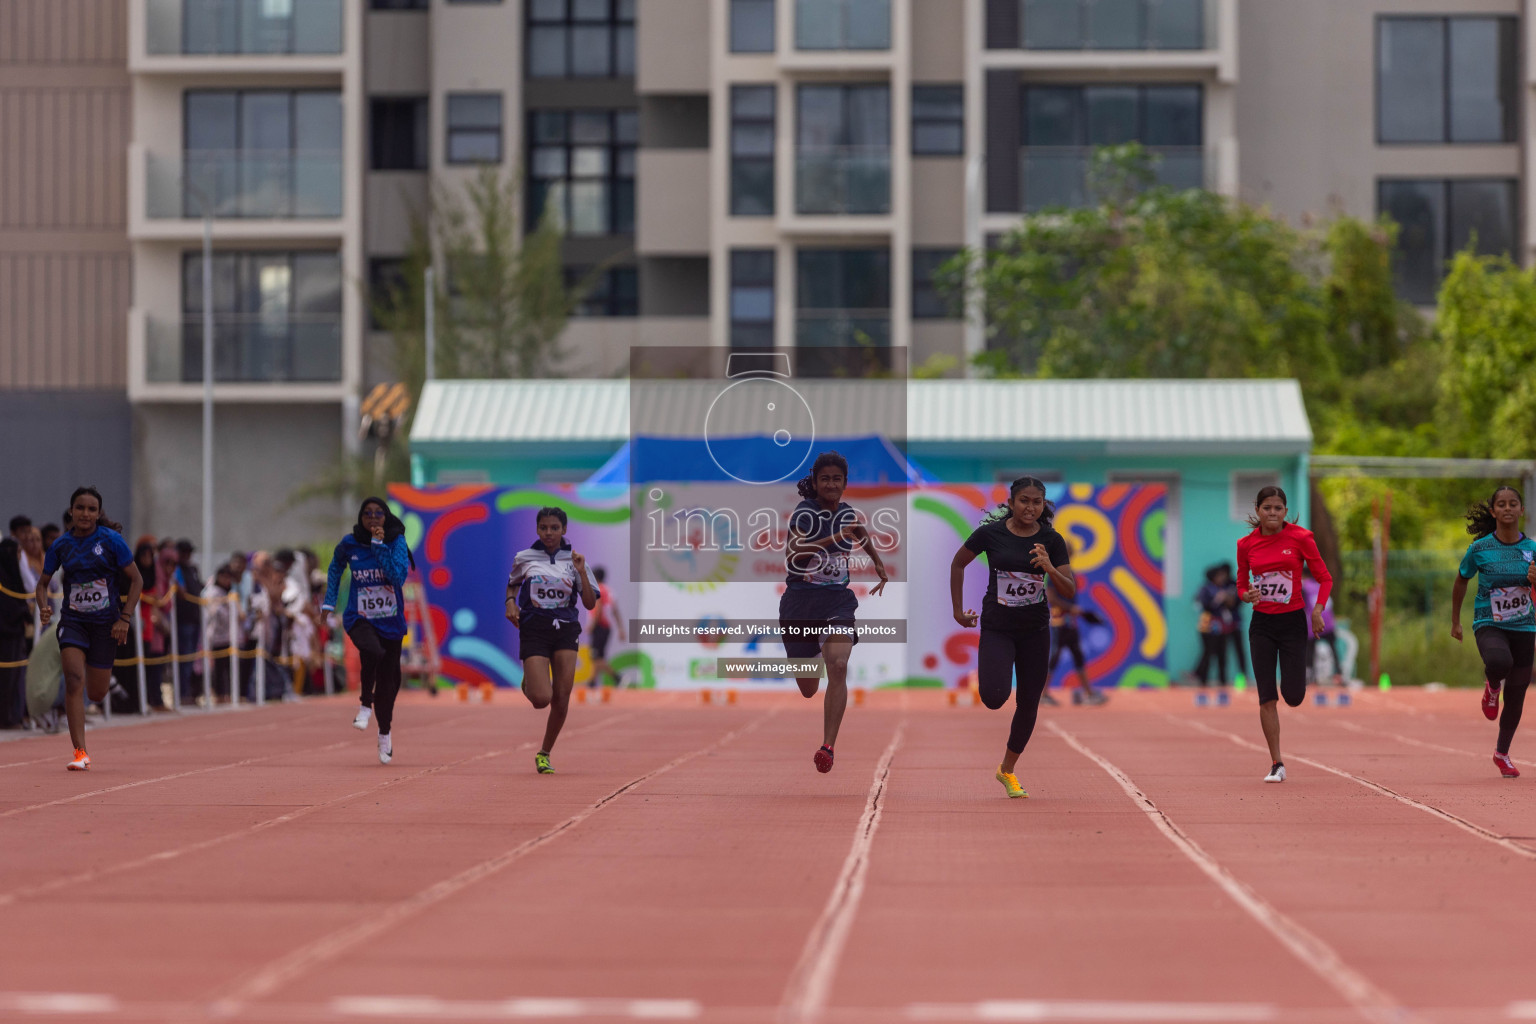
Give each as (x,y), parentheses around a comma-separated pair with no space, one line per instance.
(1487,323)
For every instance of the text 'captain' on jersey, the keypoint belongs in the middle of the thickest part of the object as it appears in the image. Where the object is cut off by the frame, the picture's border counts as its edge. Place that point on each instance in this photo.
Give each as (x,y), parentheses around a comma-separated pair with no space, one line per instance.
(91,565)
(821,567)
(1503,589)
(546,584)
(1015,598)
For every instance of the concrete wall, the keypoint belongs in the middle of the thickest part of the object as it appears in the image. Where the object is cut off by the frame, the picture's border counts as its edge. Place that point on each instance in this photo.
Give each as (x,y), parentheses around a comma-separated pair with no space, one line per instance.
(54,441)
(263,454)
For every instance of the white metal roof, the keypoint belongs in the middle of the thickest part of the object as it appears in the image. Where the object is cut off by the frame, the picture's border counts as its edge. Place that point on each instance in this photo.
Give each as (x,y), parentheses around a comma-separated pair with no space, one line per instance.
(1124,416)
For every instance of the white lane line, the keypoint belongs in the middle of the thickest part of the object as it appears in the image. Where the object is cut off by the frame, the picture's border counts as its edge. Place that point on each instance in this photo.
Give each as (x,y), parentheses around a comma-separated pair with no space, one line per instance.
(429,1008)
(1357,990)
(147,746)
(1069,1010)
(56,1002)
(1353,727)
(284,969)
(810,984)
(1469,827)
(91,877)
(1525,1010)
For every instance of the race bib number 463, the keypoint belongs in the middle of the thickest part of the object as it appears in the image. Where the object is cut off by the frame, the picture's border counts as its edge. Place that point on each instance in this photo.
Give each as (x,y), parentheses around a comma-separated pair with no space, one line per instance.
(1273,587)
(377,603)
(1017,589)
(88,597)
(1510,604)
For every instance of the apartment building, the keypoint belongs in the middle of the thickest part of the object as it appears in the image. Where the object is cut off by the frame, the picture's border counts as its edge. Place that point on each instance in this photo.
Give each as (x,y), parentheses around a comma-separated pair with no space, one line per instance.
(749,172)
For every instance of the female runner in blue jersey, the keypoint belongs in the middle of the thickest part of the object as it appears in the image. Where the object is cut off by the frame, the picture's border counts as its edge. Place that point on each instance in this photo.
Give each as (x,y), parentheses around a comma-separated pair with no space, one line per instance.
(1504,561)
(94,619)
(823,531)
(547,578)
(379,558)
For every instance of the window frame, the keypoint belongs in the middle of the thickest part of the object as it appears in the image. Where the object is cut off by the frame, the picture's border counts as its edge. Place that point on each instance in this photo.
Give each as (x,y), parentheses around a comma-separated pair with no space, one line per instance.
(771,160)
(615,21)
(923,286)
(449,129)
(378,268)
(1081,118)
(615,147)
(959,88)
(422,108)
(1446,229)
(1512,118)
(745,282)
(730,28)
(611,302)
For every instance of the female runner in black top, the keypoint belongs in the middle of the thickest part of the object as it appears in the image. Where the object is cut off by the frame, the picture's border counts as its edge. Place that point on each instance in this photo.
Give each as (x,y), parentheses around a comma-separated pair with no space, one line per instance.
(1023,552)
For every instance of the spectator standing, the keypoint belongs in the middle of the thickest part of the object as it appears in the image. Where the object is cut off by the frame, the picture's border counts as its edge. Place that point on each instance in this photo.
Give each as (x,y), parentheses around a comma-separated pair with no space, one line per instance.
(1217,601)
(152,623)
(1329,635)
(15,620)
(218,628)
(50,533)
(189,586)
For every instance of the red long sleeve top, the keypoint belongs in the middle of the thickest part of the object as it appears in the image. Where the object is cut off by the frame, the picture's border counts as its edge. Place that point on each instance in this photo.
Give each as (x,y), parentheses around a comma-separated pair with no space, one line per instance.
(1273,565)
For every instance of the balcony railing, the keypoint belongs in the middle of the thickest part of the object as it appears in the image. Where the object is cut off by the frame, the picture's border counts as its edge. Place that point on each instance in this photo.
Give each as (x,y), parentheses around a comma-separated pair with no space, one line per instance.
(280,185)
(1053,176)
(209,27)
(1114,24)
(842,24)
(246,349)
(843,180)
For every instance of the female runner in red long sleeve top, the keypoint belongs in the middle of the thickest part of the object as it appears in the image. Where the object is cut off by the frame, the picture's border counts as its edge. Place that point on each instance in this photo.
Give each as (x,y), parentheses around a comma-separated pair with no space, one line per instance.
(1269,562)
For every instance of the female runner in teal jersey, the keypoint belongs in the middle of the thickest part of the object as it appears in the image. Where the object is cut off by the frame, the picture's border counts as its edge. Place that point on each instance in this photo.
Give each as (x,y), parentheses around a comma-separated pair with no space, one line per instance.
(1504,561)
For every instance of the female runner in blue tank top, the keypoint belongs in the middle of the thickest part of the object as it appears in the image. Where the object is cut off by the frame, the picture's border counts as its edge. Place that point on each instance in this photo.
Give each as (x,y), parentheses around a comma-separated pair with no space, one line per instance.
(380,560)
(823,530)
(1504,561)
(94,620)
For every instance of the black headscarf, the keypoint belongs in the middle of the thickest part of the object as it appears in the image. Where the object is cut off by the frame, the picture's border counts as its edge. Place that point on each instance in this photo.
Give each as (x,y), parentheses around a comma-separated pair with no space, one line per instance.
(393,527)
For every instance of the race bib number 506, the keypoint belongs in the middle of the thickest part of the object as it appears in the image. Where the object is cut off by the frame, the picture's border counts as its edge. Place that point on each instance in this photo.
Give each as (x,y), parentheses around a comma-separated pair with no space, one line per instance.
(549,592)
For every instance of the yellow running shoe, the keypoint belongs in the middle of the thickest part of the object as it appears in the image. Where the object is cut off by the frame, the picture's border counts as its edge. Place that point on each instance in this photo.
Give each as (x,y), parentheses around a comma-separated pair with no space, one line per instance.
(1010,782)
(541,763)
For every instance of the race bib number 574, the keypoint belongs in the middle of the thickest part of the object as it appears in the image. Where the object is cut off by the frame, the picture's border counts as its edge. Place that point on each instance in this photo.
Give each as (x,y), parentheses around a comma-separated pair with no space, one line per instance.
(1273,587)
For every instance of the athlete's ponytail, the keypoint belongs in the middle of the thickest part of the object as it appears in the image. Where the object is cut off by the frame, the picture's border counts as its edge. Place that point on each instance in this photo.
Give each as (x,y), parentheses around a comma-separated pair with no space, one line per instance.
(1004,509)
(807,484)
(1480,518)
(101,509)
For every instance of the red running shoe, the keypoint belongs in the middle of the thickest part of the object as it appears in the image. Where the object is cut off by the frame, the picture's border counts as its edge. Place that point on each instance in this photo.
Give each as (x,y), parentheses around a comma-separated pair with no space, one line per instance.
(1506,766)
(1490,701)
(824,760)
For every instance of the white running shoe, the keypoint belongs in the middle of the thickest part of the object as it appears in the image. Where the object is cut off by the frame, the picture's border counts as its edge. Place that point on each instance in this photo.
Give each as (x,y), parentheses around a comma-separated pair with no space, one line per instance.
(1276,773)
(386,750)
(361,721)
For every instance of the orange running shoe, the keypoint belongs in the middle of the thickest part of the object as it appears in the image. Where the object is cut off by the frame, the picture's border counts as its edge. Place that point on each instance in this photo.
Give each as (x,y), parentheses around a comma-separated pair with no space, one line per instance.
(81,762)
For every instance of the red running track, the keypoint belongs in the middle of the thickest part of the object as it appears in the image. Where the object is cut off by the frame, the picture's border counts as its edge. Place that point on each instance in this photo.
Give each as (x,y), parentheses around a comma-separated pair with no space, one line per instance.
(688,863)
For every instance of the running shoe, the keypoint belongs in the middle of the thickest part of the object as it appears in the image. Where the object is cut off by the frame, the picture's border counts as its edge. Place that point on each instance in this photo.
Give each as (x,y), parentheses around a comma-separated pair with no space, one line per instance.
(1222,699)
(1506,766)
(1094,698)
(1010,783)
(1201,700)
(1276,772)
(386,749)
(361,721)
(1491,700)
(823,760)
(81,762)
(541,763)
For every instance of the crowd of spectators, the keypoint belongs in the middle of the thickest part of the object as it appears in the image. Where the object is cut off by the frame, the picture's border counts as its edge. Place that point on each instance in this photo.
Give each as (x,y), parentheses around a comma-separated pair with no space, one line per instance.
(262,608)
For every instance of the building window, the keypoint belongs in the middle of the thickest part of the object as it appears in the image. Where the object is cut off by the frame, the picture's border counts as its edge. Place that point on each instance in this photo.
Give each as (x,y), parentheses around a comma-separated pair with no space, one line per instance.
(1063,124)
(614,292)
(843,151)
(581,166)
(277,316)
(752,26)
(752,298)
(843,297)
(399,133)
(938,120)
(386,285)
(474,127)
(399,5)
(1437,219)
(1113,24)
(1442,80)
(247,26)
(843,24)
(752,148)
(927,303)
(262,153)
(581,38)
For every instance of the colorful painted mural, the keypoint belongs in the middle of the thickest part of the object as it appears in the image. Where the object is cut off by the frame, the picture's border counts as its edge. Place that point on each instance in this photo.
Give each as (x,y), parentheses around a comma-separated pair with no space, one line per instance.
(464,538)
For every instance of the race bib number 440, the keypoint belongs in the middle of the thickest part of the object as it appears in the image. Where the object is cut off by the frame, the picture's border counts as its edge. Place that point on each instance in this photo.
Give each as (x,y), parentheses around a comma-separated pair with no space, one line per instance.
(377,603)
(88,597)
(1018,589)
(1273,587)
(1510,604)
